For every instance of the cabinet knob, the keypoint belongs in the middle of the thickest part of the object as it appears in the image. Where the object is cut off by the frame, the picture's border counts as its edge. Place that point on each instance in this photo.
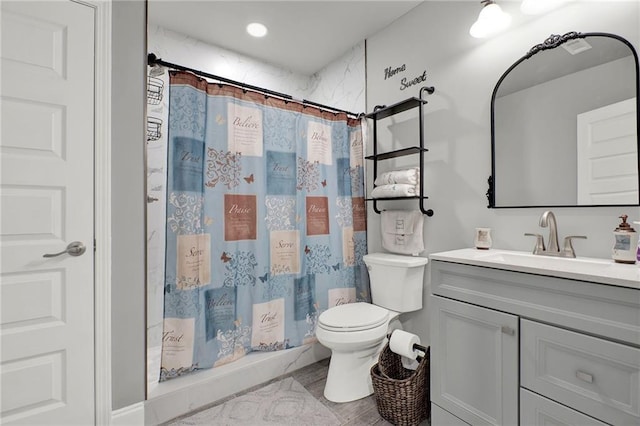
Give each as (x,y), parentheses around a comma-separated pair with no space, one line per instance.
(508,330)
(585,377)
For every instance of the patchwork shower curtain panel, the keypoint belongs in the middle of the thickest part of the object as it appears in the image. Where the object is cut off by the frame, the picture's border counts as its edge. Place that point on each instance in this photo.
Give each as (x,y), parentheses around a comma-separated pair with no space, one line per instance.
(266,223)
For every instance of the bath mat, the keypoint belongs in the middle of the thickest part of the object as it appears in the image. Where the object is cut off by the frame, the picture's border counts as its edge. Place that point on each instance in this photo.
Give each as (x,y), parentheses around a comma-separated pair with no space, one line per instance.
(285,402)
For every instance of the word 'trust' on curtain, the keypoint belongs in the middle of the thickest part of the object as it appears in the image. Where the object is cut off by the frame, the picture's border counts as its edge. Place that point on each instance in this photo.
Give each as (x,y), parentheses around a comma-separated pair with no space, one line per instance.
(266,222)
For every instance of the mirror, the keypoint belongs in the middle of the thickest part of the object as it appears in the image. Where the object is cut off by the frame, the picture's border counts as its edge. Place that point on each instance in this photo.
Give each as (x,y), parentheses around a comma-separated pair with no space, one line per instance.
(564,125)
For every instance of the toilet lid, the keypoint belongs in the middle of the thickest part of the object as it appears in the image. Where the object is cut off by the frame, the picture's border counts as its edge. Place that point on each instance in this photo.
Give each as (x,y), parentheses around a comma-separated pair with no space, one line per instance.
(353,317)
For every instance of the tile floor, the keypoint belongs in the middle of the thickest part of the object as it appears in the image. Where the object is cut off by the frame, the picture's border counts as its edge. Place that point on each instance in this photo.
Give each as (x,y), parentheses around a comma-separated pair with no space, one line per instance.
(313,377)
(360,412)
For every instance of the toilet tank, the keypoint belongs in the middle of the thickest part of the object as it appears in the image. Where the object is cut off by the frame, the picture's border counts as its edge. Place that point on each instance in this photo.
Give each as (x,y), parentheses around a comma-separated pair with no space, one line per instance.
(396,281)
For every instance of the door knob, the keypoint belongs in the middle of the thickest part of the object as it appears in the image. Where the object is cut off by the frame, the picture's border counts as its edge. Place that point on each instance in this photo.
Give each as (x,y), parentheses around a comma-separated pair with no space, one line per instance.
(75,248)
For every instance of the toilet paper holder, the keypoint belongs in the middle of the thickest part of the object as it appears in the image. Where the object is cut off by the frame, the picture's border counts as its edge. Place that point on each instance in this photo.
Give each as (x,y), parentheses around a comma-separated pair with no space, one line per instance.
(415,347)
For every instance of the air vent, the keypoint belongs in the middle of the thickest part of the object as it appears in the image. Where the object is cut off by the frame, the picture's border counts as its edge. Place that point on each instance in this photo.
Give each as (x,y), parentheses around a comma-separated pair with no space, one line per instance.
(576,46)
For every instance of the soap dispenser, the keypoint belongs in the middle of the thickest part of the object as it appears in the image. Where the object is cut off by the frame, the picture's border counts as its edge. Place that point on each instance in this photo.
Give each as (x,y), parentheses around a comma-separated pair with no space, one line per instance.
(626,242)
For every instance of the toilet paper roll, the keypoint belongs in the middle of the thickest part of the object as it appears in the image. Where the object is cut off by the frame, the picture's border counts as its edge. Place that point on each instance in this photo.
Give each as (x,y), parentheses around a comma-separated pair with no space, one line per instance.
(402,343)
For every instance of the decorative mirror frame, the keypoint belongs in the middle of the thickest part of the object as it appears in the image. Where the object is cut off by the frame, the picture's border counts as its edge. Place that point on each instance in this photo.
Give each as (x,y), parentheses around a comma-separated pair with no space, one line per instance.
(553,41)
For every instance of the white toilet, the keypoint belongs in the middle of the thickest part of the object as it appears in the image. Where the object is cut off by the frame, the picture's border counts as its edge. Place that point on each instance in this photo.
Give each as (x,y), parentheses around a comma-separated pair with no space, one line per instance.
(356,332)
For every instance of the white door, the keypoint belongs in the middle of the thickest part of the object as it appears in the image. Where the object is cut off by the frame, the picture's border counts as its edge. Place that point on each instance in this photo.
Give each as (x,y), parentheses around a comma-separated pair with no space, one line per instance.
(474,362)
(608,155)
(46,195)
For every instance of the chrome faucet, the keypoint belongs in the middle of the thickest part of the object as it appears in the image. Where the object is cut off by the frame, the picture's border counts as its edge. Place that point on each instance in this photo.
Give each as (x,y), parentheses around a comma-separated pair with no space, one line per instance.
(548,219)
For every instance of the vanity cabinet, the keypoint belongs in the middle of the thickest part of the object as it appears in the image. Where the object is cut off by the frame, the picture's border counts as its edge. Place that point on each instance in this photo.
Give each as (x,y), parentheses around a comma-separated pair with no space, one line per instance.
(511,347)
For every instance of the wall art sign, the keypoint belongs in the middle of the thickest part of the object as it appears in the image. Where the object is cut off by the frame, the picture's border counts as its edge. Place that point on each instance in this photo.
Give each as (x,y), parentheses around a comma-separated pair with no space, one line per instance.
(405,82)
(391,71)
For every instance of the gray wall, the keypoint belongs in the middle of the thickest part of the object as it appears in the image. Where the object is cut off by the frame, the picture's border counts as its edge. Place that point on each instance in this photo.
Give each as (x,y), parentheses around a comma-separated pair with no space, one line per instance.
(128,230)
(435,37)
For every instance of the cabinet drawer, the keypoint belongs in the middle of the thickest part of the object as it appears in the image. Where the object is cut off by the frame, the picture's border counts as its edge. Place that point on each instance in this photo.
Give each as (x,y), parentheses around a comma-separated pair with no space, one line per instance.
(595,376)
(536,410)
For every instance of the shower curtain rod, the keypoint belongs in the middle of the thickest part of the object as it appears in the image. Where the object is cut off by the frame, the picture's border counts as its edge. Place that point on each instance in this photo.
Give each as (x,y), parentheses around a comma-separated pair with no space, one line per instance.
(152,59)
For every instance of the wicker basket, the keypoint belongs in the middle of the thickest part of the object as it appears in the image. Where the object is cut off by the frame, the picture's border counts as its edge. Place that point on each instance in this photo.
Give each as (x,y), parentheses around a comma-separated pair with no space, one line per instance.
(402,395)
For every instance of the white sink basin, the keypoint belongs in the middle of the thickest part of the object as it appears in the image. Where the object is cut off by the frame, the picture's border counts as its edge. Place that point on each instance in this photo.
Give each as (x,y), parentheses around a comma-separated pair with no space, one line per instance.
(581,268)
(586,265)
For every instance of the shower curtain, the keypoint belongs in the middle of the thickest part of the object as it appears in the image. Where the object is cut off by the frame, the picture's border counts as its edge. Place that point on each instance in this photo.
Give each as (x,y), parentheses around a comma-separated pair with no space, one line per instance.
(266,222)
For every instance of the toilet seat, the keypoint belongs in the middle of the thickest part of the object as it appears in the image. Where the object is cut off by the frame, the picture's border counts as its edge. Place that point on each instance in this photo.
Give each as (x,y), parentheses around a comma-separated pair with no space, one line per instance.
(353,317)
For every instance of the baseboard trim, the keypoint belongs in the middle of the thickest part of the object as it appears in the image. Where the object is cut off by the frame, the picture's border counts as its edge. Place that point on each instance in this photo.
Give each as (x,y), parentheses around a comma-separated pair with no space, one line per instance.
(133,415)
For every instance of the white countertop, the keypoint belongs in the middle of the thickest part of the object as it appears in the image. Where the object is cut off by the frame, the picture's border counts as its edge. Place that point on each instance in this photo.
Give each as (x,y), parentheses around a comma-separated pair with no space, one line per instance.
(603,271)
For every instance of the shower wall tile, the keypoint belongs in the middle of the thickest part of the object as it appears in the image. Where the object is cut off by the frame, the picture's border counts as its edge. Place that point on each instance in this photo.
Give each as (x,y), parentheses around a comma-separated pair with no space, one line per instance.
(190,52)
(340,84)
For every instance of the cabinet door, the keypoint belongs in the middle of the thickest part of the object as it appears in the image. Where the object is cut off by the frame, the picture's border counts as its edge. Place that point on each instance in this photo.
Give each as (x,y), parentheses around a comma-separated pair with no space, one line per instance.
(474,362)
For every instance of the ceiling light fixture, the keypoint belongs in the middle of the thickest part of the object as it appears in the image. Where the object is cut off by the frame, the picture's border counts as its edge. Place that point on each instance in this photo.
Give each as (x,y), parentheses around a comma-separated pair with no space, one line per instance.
(536,7)
(256,29)
(491,20)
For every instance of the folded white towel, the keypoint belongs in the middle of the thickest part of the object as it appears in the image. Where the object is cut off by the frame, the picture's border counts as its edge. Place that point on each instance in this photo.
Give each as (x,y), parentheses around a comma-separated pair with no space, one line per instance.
(409,176)
(396,190)
(402,231)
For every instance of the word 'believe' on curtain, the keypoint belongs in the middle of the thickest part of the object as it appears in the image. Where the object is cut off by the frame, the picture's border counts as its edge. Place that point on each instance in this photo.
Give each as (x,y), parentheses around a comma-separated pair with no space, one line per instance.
(266,222)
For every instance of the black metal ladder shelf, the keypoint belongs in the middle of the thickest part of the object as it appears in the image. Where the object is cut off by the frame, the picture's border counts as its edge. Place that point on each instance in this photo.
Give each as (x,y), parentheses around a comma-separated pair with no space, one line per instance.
(381,112)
